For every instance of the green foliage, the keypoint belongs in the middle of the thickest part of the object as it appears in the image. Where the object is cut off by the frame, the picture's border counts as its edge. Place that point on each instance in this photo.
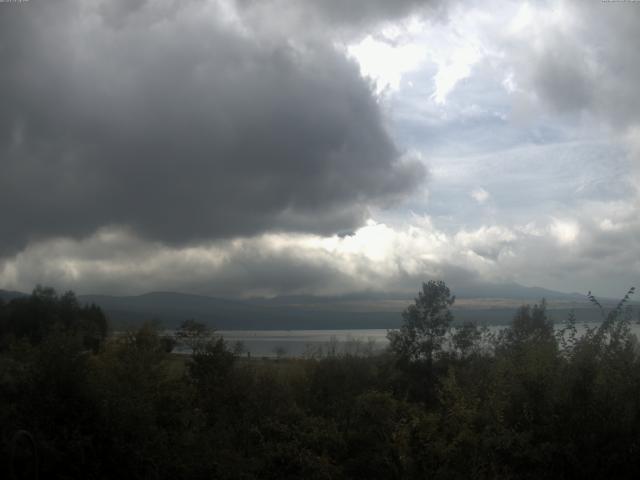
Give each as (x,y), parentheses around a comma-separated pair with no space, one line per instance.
(467,340)
(530,325)
(425,324)
(194,334)
(211,364)
(35,317)
(443,402)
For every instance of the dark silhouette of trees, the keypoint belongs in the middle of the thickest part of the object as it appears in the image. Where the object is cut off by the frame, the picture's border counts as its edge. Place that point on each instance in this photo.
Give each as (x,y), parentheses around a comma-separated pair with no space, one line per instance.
(425,324)
(35,317)
(193,334)
(443,401)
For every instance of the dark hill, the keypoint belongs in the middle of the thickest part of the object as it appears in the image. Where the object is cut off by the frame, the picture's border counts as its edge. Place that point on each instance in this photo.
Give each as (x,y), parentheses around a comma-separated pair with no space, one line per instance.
(484,304)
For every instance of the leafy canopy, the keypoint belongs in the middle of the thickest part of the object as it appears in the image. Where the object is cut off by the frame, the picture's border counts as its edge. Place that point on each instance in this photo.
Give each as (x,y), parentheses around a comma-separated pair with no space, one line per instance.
(425,324)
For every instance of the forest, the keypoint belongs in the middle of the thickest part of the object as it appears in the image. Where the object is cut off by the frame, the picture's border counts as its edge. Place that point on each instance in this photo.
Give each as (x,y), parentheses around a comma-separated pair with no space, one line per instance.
(445,400)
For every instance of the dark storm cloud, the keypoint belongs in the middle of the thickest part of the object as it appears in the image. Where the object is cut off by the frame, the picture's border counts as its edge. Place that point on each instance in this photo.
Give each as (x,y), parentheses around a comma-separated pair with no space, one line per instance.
(563,81)
(165,118)
(340,15)
(586,62)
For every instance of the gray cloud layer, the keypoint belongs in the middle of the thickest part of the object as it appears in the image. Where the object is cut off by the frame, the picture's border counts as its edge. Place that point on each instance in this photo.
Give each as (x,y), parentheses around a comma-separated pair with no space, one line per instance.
(337,17)
(584,63)
(155,132)
(166,118)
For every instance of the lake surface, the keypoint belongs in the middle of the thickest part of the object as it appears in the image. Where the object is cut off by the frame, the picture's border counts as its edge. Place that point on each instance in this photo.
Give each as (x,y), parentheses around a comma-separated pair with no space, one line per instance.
(297,343)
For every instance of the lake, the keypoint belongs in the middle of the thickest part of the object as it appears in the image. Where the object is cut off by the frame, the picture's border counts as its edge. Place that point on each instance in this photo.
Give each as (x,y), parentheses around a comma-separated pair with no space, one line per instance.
(297,343)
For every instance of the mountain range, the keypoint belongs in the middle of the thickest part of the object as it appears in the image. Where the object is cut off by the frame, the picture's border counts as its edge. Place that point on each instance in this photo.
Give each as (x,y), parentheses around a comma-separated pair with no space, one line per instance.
(485,304)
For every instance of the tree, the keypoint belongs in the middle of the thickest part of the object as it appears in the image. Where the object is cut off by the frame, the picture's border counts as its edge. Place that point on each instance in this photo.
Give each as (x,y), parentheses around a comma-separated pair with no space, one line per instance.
(530,325)
(43,312)
(194,334)
(425,324)
(280,351)
(467,339)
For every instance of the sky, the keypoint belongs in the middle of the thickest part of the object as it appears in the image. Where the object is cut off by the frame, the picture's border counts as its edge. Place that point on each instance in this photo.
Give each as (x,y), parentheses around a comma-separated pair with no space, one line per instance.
(242,148)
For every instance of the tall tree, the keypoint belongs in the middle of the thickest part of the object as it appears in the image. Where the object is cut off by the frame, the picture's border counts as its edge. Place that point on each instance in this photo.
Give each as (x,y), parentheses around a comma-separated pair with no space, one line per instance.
(425,324)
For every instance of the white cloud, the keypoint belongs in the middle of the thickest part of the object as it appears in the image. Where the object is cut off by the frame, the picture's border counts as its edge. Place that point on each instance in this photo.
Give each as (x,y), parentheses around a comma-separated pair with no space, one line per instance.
(453,68)
(522,19)
(376,257)
(565,231)
(453,47)
(480,195)
(386,62)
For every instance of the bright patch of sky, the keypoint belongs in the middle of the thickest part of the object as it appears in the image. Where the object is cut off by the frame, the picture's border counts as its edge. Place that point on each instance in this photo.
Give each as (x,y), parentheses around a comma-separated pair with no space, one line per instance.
(452,47)
(498,158)
(386,63)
